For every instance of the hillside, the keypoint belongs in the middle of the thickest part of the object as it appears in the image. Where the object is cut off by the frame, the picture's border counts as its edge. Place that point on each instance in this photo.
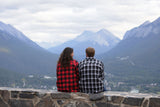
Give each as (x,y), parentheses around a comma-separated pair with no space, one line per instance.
(19,54)
(136,58)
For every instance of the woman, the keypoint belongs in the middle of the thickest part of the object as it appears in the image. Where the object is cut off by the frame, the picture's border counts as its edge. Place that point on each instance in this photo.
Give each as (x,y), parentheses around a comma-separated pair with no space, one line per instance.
(67,72)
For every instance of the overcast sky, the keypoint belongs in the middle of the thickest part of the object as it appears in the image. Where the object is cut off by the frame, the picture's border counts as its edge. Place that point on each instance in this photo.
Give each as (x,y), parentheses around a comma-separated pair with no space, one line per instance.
(56,21)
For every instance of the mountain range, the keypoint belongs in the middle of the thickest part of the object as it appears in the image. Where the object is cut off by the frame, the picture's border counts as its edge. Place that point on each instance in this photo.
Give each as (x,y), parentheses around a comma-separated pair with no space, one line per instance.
(133,60)
(137,57)
(102,41)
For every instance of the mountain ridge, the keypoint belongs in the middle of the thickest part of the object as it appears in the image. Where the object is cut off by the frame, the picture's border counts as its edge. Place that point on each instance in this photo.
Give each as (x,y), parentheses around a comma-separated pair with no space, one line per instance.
(135,60)
(101,40)
(143,30)
(16,34)
(20,54)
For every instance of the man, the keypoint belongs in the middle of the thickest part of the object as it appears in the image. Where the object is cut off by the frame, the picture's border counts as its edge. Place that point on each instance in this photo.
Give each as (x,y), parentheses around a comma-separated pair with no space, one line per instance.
(91,73)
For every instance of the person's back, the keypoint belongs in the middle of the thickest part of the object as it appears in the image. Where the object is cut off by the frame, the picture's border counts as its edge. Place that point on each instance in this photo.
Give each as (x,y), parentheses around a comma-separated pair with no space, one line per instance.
(91,73)
(67,72)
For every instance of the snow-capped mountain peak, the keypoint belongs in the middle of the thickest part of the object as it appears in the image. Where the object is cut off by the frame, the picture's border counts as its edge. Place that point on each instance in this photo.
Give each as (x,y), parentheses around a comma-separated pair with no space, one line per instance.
(102,37)
(86,35)
(101,40)
(104,31)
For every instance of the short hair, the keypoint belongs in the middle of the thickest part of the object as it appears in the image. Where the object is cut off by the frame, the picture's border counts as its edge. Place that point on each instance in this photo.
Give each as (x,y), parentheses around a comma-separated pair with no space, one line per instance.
(90,52)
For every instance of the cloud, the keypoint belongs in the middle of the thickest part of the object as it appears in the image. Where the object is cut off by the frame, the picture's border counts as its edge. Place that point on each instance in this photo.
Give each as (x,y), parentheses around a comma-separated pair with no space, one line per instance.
(57,21)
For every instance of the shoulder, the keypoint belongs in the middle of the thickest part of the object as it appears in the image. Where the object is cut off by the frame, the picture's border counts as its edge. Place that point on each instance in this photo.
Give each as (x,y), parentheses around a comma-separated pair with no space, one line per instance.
(99,62)
(75,61)
(82,61)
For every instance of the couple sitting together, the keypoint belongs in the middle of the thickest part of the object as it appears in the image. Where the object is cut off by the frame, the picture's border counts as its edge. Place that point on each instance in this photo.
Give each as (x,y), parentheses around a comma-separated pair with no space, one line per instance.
(86,76)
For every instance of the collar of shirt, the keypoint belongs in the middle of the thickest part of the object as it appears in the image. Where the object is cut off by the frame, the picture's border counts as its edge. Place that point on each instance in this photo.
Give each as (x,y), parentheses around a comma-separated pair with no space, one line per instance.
(89,58)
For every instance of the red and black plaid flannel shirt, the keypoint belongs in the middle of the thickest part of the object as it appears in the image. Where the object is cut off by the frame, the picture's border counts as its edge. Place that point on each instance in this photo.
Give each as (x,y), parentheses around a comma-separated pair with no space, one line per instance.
(68,77)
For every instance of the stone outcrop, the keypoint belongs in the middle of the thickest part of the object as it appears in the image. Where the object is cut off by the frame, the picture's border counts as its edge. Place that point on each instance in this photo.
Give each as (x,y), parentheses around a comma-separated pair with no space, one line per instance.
(45,98)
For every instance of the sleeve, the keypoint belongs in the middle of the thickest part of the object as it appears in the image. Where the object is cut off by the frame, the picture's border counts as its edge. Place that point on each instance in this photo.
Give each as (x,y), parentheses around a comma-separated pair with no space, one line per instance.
(77,70)
(57,75)
(102,73)
(57,70)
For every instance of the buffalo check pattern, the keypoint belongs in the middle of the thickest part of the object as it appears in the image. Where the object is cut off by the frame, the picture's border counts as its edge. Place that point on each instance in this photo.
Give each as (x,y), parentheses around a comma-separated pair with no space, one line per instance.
(68,77)
(91,73)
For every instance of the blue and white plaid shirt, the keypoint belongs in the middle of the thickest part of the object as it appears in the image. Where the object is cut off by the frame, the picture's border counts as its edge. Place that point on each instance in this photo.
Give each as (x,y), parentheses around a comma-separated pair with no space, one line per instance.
(91,72)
